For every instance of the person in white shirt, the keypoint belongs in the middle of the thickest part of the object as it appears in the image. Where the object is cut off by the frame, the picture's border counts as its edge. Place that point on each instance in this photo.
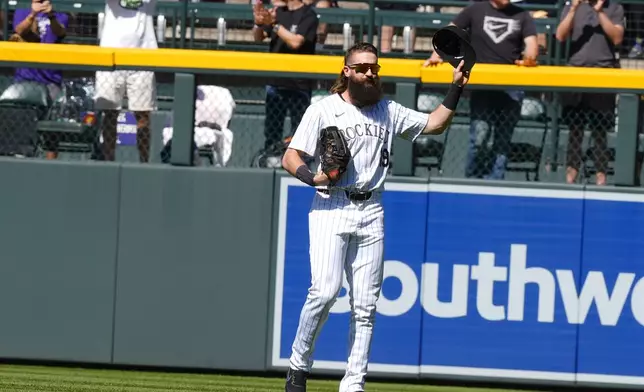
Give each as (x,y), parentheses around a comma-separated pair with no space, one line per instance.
(128,24)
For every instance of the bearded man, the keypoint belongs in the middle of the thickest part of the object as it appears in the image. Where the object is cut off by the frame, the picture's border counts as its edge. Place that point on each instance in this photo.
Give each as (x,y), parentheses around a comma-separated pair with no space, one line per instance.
(346,228)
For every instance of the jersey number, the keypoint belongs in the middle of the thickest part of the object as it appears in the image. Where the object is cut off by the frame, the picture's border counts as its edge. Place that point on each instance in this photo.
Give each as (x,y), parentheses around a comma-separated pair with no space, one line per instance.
(384,157)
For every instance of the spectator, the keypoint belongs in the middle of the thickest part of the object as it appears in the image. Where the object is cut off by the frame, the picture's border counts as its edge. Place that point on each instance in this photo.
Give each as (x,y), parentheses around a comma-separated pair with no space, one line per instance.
(41,24)
(44,25)
(292,29)
(499,32)
(595,28)
(128,24)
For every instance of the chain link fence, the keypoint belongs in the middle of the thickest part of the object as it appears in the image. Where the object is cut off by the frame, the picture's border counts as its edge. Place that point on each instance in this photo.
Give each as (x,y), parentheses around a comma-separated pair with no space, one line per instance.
(565,137)
(633,45)
(247,122)
(40,120)
(104,116)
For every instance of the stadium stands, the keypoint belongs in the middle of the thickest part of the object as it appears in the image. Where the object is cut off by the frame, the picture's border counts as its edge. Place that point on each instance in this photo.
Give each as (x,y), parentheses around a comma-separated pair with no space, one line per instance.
(196,25)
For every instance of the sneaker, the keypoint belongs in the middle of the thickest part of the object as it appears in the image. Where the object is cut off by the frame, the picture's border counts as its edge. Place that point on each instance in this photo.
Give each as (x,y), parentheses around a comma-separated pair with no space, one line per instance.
(296,380)
(637,50)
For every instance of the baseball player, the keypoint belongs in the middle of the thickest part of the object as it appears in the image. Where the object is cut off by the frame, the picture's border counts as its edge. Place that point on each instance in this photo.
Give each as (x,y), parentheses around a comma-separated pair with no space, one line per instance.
(346,216)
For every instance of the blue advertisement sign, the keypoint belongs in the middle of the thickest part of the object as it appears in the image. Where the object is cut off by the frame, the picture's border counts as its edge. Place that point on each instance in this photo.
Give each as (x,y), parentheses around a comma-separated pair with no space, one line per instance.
(126,129)
(485,282)
(611,300)
(490,290)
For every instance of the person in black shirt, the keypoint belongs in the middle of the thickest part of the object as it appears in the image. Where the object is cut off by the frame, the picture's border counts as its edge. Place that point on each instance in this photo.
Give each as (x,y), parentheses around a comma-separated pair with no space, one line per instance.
(595,30)
(292,29)
(500,31)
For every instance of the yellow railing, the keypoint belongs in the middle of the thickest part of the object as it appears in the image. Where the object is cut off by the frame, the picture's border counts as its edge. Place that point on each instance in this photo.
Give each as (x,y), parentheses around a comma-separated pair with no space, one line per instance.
(203,61)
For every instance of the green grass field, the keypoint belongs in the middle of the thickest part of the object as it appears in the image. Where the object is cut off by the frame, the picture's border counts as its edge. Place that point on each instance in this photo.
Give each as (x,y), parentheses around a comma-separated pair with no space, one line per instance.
(53,379)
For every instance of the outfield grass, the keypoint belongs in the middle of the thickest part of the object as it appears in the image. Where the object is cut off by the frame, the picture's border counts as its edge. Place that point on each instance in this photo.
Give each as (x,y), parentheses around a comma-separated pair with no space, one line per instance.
(54,379)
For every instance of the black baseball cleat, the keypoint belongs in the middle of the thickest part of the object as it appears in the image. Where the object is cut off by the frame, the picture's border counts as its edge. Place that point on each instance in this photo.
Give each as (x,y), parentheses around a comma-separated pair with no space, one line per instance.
(296,380)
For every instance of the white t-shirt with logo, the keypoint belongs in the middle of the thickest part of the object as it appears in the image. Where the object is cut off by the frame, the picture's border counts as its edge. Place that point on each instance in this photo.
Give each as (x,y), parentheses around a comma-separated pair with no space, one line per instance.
(129,24)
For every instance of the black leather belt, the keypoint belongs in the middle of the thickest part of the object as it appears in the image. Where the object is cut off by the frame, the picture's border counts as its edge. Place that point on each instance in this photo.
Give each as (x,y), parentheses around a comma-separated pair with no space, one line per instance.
(356,196)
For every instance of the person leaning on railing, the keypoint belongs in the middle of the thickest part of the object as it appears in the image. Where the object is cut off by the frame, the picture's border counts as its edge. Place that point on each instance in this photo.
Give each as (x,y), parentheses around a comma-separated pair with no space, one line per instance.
(128,24)
(499,32)
(595,29)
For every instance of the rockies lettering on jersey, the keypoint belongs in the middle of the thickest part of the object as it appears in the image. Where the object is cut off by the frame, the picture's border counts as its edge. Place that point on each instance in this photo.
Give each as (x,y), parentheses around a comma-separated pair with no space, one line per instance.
(368,132)
(364,130)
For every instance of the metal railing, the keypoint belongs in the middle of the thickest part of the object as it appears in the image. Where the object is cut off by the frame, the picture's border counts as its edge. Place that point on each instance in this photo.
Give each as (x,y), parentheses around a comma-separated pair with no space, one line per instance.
(198,25)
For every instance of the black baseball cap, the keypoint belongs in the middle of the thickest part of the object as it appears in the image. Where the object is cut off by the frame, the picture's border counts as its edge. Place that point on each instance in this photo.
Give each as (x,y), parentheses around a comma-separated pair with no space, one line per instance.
(453,45)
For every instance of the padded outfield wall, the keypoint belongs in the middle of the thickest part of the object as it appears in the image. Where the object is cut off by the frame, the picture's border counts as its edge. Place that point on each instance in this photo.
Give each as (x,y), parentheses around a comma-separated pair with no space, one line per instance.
(486,281)
(208,268)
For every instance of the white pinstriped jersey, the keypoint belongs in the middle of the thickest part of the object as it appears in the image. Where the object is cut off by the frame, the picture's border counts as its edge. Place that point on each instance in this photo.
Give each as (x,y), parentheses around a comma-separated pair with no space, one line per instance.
(369,133)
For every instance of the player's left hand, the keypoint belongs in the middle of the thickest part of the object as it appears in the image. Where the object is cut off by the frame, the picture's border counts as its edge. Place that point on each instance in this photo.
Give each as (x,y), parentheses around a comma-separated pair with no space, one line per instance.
(461,77)
(321,179)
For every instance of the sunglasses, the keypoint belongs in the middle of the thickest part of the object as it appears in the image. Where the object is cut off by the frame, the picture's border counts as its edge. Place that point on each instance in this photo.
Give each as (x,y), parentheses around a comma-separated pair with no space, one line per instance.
(363,68)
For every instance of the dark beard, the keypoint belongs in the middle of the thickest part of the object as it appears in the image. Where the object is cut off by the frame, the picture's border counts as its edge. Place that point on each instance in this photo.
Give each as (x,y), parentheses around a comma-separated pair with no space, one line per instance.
(367,93)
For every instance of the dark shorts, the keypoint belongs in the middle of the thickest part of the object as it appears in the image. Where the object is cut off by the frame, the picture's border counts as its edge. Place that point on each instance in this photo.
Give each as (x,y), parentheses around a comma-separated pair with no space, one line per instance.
(593,110)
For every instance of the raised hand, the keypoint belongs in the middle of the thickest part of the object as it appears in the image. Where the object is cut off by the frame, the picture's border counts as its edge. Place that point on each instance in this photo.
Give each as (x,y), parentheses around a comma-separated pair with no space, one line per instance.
(37,7)
(47,7)
(461,77)
(259,13)
(599,5)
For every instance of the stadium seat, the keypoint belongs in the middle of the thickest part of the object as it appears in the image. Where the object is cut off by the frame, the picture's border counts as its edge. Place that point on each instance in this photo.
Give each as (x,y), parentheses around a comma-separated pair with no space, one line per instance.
(71,122)
(22,105)
(428,152)
(524,157)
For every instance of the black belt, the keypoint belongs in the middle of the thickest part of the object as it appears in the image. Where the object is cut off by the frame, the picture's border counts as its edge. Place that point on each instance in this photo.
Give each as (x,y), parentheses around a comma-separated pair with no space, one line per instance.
(356,196)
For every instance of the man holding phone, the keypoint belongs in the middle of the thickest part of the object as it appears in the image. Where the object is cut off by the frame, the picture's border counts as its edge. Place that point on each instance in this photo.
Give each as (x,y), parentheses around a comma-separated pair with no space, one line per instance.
(595,28)
(40,24)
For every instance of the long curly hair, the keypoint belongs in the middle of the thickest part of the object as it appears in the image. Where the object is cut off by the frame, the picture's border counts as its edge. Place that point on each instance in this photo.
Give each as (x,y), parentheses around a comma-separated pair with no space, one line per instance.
(342,82)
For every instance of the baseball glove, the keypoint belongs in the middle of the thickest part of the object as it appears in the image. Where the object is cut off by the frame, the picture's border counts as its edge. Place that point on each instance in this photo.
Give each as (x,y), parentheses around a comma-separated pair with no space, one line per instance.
(334,153)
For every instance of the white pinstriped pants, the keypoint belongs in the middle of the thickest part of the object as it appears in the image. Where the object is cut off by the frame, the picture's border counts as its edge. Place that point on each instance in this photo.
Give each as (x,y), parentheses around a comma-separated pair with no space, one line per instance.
(345,236)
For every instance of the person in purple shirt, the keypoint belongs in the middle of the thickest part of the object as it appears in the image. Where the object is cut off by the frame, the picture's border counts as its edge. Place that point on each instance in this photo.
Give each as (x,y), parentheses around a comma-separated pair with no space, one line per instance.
(41,24)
